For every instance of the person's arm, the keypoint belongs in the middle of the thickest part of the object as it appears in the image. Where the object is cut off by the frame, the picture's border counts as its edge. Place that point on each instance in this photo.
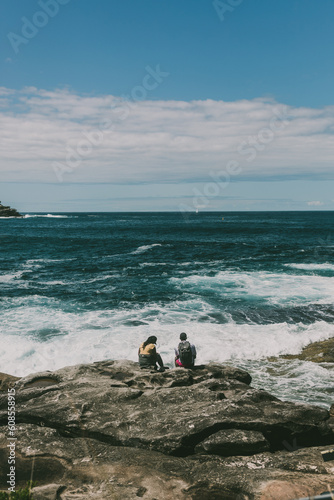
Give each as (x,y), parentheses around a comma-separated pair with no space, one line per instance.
(193,348)
(176,353)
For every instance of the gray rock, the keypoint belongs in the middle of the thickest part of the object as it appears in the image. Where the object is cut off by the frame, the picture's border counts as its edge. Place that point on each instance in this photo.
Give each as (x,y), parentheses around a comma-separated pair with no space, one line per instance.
(233,442)
(111,430)
(48,492)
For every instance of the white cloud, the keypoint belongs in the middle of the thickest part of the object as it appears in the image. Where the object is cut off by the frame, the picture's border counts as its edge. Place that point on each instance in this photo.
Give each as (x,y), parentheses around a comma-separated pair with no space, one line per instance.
(315,203)
(154,141)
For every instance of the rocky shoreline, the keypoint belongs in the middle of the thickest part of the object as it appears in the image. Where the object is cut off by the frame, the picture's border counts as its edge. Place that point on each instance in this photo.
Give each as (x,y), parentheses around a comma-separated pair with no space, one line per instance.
(110,430)
(8,211)
(317,352)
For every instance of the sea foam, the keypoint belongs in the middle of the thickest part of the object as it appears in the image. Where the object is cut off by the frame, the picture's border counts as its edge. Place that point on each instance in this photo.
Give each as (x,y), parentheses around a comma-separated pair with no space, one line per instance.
(274,288)
(49,216)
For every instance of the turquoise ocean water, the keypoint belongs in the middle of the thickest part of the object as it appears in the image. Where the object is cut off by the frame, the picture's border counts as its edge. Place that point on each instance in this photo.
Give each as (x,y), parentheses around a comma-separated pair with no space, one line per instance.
(81,287)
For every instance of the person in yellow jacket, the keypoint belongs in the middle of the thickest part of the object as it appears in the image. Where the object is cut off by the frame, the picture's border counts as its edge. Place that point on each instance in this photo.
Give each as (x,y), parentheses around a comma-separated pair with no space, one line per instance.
(148,355)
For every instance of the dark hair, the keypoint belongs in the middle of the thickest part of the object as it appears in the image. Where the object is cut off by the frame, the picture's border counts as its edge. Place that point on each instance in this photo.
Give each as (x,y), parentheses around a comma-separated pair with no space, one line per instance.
(150,340)
(183,336)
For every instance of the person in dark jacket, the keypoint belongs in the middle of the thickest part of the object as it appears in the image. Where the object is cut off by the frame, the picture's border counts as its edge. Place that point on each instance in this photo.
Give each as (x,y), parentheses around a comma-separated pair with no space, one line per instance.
(148,355)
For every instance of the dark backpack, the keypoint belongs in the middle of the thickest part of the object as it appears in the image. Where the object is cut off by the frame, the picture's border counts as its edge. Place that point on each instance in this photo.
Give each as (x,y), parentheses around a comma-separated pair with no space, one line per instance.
(185,354)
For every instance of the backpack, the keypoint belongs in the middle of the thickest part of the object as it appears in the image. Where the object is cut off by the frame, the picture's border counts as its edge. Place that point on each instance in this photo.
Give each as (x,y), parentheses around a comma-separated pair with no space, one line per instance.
(185,354)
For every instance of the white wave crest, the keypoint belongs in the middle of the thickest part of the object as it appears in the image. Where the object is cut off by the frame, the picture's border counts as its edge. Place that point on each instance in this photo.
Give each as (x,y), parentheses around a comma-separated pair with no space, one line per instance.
(8,278)
(84,337)
(312,267)
(51,216)
(144,248)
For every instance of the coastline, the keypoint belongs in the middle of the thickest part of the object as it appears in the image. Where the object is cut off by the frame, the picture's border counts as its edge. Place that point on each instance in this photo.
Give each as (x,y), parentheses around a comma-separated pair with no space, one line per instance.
(8,212)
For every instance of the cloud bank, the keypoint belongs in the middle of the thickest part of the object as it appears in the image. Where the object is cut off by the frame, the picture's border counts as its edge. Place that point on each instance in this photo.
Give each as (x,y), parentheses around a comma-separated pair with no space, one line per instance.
(55,136)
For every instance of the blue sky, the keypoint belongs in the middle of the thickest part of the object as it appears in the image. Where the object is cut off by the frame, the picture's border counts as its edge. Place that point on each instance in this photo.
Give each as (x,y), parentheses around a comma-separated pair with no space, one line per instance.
(148,105)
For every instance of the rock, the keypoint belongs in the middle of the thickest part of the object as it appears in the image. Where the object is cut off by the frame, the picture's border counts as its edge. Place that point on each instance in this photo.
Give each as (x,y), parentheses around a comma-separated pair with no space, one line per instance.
(8,212)
(111,430)
(284,490)
(331,410)
(7,381)
(318,352)
(170,412)
(233,442)
(48,492)
(92,469)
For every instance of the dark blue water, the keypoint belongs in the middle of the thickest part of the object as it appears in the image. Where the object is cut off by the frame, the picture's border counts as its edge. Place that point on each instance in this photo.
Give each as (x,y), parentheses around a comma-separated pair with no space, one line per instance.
(82,287)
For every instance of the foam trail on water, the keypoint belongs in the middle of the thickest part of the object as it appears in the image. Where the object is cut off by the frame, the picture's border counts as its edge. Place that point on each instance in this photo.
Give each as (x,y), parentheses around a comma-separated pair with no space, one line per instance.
(312,267)
(281,289)
(50,216)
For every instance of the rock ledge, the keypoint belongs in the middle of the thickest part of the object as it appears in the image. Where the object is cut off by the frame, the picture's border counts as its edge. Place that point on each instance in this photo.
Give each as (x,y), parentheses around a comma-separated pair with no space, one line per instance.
(112,430)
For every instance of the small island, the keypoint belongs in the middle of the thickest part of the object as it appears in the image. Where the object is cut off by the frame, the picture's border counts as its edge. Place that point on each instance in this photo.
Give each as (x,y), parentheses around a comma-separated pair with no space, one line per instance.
(8,211)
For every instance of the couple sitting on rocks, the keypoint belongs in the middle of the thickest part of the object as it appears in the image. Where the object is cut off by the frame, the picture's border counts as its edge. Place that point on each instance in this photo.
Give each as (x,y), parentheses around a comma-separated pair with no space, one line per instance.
(185,354)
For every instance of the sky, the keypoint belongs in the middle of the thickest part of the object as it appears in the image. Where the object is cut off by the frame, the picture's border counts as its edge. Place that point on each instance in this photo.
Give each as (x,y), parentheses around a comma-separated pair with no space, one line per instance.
(145,105)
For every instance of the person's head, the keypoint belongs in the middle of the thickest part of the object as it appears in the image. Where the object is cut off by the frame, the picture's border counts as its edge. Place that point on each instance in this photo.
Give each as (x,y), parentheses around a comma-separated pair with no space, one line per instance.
(183,336)
(151,340)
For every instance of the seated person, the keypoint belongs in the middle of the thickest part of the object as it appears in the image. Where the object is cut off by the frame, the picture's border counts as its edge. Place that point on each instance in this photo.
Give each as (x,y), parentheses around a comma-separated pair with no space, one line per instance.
(148,355)
(185,354)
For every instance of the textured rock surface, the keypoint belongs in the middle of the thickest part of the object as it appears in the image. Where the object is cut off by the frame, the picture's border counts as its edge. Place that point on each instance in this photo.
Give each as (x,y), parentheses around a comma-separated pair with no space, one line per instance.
(8,212)
(111,430)
(7,381)
(233,442)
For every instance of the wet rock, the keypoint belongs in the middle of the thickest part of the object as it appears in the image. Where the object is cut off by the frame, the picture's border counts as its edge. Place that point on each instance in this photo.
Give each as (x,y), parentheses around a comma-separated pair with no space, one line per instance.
(318,352)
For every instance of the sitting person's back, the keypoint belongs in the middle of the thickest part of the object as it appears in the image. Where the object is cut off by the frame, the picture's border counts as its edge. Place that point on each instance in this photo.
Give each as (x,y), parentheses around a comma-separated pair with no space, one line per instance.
(148,356)
(185,354)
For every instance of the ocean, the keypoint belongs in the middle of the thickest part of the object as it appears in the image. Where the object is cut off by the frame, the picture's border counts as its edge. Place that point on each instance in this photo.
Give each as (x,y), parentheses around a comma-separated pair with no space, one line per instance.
(83,287)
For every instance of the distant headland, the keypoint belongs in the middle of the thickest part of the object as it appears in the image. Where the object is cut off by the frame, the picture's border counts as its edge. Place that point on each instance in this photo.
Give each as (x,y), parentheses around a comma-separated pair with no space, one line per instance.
(8,212)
